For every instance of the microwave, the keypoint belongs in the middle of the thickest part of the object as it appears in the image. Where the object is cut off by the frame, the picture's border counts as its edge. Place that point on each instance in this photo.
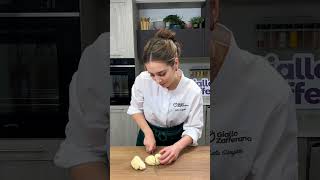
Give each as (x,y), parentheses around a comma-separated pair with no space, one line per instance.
(122,72)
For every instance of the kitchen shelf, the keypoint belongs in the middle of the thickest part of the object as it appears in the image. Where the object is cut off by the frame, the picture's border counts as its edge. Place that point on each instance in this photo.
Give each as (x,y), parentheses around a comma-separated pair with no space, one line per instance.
(164,4)
(192,41)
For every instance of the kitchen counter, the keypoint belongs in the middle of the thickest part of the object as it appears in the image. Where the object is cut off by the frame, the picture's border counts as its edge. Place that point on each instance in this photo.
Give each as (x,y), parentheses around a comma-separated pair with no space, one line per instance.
(193,164)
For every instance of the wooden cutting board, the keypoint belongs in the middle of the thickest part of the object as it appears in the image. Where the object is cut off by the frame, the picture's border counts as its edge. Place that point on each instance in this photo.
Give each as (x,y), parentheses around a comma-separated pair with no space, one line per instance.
(192,164)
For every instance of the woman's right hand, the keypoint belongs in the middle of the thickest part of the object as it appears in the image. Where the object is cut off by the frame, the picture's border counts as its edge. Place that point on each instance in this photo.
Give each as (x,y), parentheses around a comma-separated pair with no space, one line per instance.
(150,143)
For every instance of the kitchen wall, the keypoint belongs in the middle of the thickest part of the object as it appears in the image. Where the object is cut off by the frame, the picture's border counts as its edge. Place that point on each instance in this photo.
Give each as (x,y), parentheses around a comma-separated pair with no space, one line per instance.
(94,20)
(158,14)
(242,17)
(248,15)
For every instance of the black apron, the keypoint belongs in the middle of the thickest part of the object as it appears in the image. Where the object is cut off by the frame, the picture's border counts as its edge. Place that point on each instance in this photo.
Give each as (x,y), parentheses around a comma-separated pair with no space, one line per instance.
(163,136)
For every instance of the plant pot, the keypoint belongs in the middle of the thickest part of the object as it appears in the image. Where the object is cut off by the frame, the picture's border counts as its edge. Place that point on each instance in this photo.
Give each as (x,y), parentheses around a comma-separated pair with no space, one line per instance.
(175,26)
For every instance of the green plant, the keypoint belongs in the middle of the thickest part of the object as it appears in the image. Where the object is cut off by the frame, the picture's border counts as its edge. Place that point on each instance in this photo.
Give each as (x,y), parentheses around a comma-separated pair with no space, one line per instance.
(174,19)
(197,20)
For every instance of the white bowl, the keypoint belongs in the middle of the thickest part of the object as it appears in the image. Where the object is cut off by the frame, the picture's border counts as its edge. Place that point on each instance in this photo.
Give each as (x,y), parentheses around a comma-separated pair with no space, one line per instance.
(158,25)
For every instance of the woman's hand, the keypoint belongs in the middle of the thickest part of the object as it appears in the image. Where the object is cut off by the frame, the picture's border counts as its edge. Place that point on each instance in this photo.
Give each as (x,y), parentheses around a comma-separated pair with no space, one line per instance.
(169,154)
(150,143)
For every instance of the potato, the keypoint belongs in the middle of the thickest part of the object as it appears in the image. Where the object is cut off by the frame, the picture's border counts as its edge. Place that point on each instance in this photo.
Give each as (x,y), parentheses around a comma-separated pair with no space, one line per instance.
(137,163)
(153,160)
(157,156)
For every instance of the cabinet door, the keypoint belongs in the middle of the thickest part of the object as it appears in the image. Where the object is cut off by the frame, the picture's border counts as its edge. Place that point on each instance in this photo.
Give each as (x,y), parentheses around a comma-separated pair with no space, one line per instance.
(35,170)
(123,130)
(121,29)
(202,140)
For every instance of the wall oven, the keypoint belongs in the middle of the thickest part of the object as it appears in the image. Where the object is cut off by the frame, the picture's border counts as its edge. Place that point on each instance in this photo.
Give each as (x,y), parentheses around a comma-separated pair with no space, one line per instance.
(39,52)
(122,73)
(39,5)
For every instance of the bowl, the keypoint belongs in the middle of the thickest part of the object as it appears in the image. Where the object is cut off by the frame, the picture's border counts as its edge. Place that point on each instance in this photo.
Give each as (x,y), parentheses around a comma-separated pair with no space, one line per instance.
(158,25)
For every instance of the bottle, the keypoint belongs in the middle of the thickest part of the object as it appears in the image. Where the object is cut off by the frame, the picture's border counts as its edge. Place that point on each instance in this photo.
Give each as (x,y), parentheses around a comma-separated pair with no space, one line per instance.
(282,36)
(273,36)
(315,35)
(307,35)
(293,36)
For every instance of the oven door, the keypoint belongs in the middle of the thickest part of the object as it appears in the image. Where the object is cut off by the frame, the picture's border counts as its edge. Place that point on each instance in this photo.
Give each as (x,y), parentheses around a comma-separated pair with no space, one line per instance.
(122,77)
(39,6)
(38,58)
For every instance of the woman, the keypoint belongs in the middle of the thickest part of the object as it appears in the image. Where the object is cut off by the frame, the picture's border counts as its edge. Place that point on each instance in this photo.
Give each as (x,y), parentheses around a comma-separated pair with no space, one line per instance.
(166,105)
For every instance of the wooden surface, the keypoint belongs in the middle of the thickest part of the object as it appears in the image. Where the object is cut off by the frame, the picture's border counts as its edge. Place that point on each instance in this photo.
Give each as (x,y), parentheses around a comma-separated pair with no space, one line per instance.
(192,164)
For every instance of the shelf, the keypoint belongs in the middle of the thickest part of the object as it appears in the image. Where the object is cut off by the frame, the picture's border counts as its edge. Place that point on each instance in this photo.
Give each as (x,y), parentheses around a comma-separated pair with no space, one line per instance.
(169,4)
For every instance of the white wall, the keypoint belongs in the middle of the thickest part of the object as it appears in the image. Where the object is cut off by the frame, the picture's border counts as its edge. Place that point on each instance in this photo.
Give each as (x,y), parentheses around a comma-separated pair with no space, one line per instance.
(158,14)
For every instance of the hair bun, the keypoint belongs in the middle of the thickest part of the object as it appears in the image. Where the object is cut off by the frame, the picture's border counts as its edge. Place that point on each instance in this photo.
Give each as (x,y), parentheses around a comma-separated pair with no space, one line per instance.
(166,34)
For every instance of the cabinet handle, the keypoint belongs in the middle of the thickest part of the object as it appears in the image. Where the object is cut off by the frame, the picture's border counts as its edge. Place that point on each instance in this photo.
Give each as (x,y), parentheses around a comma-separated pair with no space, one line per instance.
(38,150)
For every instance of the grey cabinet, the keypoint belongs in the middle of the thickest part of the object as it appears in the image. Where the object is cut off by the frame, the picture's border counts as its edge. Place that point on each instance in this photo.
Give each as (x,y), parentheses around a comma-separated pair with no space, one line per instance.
(192,41)
(123,130)
(30,159)
(205,138)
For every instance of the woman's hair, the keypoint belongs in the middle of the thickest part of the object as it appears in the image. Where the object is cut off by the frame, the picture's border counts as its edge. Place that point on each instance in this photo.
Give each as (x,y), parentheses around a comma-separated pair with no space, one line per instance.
(162,47)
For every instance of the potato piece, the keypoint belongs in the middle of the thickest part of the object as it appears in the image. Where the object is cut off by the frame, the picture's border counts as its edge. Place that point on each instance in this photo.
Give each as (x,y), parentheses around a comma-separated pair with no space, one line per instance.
(137,163)
(153,160)
(157,156)
(150,160)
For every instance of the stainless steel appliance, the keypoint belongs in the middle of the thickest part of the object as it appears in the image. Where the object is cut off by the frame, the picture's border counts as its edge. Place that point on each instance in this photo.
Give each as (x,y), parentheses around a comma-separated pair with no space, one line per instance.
(122,73)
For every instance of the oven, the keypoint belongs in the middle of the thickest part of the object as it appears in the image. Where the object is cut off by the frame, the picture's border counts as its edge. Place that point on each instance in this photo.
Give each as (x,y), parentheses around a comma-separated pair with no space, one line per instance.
(39,6)
(39,53)
(122,73)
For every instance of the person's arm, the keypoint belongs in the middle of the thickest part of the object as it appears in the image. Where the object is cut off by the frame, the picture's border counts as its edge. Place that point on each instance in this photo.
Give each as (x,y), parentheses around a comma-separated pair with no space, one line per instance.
(89,171)
(86,143)
(194,124)
(149,140)
(142,123)
(276,156)
(192,132)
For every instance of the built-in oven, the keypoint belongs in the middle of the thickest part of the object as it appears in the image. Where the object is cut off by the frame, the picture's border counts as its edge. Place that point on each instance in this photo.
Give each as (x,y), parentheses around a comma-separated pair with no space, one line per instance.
(39,52)
(39,6)
(122,73)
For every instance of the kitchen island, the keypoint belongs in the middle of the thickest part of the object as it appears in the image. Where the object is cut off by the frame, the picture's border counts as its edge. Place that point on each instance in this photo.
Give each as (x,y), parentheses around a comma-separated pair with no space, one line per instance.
(192,164)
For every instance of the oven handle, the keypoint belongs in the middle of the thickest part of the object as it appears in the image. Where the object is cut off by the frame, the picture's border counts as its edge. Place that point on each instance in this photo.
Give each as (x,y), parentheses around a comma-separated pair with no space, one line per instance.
(122,65)
(35,150)
(49,14)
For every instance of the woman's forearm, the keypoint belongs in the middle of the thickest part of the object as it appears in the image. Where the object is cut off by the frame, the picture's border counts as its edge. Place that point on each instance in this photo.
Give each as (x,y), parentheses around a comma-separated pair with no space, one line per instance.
(142,123)
(183,142)
(89,171)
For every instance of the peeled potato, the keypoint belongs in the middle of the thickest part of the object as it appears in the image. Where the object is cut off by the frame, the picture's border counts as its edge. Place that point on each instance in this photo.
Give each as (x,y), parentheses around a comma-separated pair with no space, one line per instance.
(137,163)
(150,160)
(157,156)
(153,160)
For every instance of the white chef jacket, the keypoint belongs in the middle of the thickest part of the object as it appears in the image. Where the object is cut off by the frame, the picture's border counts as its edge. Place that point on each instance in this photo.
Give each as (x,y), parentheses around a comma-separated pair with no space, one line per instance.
(253,124)
(167,108)
(87,129)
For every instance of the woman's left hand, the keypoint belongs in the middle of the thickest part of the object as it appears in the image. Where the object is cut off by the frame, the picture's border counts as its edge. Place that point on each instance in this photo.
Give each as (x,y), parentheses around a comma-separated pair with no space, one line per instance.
(169,154)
